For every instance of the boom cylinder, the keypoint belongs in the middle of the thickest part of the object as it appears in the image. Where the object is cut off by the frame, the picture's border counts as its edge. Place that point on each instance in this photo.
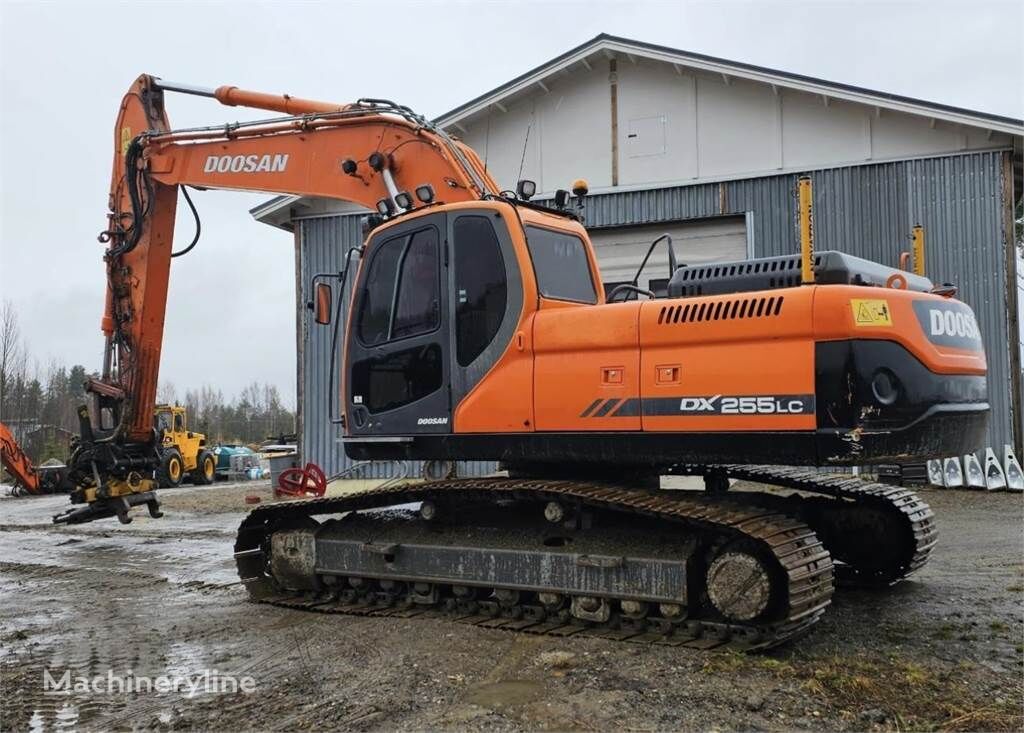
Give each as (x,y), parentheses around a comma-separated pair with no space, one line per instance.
(235,97)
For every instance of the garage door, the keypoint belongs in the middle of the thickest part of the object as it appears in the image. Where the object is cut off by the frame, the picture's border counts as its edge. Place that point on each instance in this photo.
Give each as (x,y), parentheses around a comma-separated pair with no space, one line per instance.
(620,250)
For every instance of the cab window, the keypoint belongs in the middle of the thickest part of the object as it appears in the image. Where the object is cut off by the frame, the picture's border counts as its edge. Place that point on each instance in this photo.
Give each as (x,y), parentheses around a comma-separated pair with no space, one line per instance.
(481,290)
(402,293)
(560,265)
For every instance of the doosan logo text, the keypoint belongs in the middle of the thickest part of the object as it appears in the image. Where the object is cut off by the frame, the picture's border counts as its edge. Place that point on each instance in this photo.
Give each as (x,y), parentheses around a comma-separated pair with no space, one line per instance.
(246,163)
(949,323)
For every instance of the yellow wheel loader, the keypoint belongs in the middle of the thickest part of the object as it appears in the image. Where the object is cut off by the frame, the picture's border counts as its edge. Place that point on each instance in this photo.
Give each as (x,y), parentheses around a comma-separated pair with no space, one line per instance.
(183,453)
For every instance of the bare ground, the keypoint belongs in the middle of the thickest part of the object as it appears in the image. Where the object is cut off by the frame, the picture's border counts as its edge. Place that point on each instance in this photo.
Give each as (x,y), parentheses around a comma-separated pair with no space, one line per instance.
(944,651)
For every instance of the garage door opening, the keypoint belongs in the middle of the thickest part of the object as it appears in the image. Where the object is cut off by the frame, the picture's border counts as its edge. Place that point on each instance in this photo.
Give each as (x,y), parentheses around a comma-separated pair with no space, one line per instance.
(620,250)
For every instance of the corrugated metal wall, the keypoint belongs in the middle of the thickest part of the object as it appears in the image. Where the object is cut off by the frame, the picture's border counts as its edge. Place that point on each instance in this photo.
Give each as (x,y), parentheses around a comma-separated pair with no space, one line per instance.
(865,210)
(324,244)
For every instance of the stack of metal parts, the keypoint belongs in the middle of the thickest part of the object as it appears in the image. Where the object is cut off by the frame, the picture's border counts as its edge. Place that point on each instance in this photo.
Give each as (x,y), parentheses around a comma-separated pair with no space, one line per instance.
(990,474)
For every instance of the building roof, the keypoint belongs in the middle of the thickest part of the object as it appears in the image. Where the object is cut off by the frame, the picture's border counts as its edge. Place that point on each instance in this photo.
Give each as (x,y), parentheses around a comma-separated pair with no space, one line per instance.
(609,45)
(280,210)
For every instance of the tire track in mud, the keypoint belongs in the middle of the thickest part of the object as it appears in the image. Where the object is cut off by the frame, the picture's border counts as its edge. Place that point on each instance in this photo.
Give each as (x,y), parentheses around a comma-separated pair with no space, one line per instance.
(96,620)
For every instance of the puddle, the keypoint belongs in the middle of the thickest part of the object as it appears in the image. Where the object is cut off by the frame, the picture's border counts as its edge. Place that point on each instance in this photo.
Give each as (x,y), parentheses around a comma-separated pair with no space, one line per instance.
(63,718)
(506,693)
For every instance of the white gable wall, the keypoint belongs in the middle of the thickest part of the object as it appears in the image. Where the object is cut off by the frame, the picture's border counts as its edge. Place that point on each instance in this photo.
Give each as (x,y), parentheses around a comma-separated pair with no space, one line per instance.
(569,134)
(677,125)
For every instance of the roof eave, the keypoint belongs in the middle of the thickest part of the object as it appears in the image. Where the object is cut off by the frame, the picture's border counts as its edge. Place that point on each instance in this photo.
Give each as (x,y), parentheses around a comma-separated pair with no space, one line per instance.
(834,90)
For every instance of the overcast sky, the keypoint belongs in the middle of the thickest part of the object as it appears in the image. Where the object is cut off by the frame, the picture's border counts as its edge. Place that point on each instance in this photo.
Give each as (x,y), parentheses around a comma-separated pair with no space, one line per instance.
(230,318)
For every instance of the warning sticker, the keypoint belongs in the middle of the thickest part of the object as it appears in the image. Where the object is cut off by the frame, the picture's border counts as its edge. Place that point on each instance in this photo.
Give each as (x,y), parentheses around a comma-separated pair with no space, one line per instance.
(871,312)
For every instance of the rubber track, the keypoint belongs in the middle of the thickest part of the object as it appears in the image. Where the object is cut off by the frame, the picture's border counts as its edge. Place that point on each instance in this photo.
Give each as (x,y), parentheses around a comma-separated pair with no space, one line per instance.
(797,551)
(917,516)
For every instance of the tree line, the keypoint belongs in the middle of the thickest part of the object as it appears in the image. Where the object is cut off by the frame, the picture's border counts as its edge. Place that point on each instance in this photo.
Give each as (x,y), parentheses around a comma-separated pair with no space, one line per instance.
(44,400)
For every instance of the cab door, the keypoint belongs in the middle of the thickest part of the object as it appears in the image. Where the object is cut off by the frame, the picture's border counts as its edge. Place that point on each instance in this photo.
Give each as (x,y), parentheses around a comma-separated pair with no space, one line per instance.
(399,344)
(486,303)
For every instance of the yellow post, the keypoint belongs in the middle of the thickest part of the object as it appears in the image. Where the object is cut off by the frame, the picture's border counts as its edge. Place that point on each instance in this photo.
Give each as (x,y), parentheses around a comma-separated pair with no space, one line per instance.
(805,194)
(918,249)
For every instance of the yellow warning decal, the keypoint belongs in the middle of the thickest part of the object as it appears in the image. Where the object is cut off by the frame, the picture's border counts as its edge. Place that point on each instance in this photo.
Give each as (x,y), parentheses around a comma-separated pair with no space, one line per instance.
(871,312)
(126,139)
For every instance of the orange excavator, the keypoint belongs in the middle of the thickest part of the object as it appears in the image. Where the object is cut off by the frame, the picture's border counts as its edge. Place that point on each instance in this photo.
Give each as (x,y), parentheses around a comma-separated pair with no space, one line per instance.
(479,330)
(29,478)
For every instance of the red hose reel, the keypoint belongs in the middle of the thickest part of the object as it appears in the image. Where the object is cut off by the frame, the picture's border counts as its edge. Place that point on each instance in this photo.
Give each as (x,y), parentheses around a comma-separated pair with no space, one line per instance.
(301,482)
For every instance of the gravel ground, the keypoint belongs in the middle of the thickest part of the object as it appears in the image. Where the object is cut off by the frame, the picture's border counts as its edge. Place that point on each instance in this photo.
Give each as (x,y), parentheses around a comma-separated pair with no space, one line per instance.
(158,597)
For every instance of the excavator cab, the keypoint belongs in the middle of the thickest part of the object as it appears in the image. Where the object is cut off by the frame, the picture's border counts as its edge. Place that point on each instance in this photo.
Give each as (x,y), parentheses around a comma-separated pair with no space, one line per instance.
(439,298)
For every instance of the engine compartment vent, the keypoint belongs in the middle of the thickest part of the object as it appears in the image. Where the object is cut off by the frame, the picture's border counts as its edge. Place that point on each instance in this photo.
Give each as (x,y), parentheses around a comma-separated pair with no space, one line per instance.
(722,310)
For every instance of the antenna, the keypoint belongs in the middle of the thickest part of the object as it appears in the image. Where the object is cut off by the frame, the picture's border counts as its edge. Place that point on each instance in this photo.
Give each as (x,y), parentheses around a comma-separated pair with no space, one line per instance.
(487,138)
(522,160)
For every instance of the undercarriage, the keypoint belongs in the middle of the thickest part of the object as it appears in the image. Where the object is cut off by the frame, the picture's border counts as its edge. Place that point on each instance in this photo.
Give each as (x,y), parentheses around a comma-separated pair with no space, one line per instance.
(721,568)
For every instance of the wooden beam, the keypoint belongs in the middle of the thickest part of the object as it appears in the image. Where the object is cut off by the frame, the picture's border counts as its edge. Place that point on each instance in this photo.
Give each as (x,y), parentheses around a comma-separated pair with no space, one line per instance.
(462,129)
(500,106)
(632,58)
(726,79)
(825,100)
(931,123)
(587,64)
(678,68)
(775,89)
(543,86)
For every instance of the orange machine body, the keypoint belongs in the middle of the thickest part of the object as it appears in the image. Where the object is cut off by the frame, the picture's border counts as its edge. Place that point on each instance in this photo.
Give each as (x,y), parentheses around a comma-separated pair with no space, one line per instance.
(519,371)
(688,375)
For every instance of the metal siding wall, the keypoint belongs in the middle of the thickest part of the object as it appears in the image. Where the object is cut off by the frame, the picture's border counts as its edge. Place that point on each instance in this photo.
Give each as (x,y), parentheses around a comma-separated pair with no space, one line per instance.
(959,203)
(866,211)
(324,244)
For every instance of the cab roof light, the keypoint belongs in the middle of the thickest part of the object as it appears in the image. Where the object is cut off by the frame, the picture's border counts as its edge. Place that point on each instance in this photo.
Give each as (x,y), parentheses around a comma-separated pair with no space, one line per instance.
(425,193)
(526,189)
(404,200)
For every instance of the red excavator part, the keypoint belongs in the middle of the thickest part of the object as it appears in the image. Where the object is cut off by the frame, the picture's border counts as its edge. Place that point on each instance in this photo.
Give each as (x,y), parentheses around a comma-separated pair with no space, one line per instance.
(301,482)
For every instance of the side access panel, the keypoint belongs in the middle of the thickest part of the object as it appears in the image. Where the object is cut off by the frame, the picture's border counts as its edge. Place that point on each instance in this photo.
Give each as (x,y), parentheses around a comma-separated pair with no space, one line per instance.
(586,368)
(730,363)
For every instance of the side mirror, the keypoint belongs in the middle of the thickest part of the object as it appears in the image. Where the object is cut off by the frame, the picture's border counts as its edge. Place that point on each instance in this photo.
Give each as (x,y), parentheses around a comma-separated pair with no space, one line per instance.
(322,311)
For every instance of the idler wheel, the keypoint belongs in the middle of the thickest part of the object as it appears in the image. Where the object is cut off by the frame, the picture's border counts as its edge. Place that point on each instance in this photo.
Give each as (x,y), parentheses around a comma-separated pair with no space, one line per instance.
(738,585)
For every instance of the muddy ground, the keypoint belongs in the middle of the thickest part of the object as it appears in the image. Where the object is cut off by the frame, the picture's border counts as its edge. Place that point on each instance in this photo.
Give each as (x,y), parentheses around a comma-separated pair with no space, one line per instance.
(158,597)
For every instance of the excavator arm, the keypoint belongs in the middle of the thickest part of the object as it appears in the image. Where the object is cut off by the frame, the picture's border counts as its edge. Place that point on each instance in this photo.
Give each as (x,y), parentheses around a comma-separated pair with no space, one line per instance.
(16,463)
(28,478)
(374,153)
